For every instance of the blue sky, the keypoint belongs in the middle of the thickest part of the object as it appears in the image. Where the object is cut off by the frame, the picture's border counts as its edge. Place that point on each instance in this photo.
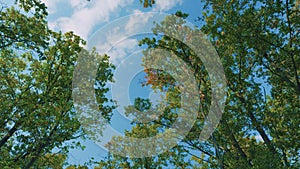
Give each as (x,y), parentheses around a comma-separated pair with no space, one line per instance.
(85,18)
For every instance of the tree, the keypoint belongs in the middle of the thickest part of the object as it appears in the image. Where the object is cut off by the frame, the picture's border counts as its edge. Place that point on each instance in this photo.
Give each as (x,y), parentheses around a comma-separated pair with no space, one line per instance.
(36,70)
(258,43)
(269,49)
(147,3)
(173,157)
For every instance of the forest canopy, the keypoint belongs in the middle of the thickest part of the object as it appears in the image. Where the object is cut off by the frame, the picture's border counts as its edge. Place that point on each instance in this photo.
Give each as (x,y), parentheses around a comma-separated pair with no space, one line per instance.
(257,43)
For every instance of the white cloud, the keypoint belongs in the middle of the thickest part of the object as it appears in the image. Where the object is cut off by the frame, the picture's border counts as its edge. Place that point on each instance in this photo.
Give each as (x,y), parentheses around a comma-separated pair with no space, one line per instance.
(78,4)
(114,41)
(137,21)
(123,49)
(86,15)
(164,5)
(51,5)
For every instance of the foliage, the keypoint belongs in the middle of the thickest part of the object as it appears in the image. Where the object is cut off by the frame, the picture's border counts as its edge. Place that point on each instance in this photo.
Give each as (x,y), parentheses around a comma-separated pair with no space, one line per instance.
(258,43)
(261,40)
(147,3)
(36,70)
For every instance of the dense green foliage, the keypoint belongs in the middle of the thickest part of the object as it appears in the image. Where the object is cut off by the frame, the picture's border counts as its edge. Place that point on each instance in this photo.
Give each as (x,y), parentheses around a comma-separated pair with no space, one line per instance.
(36,69)
(258,43)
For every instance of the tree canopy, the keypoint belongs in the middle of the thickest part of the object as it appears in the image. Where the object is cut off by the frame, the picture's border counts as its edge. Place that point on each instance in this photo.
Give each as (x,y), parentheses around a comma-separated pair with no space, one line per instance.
(258,45)
(36,70)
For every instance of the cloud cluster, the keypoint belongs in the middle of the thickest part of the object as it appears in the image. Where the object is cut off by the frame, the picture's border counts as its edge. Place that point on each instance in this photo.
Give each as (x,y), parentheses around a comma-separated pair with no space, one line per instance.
(86,15)
(83,17)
